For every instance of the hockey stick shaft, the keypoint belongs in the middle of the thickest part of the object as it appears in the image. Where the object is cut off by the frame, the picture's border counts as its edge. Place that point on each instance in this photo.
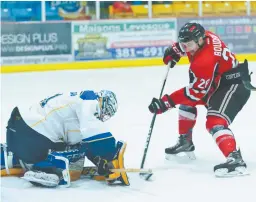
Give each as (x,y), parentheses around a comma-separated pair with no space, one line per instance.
(153,123)
(132,170)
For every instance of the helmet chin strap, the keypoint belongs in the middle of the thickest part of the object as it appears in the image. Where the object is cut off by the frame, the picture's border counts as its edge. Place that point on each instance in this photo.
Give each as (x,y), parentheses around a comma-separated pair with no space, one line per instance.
(200,46)
(97,114)
(181,48)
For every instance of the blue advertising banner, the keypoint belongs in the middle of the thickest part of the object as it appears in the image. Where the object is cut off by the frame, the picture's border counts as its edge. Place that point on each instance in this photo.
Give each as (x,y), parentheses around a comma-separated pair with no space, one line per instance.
(239,33)
(122,39)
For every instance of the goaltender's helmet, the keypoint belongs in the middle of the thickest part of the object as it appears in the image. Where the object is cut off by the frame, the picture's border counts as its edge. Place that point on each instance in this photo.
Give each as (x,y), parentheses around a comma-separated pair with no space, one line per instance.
(191,31)
(107,105)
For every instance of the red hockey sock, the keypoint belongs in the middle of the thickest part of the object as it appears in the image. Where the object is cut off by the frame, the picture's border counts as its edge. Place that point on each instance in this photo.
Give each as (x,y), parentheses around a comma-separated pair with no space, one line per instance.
(218,128)
(226,142)
(187,119)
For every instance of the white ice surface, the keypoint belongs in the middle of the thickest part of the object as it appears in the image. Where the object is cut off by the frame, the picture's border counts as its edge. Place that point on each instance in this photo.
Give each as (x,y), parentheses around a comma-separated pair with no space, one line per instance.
(135,87)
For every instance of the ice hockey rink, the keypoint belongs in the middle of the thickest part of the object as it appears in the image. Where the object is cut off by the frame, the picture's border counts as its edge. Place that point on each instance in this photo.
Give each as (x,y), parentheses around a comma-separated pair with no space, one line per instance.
(135,87)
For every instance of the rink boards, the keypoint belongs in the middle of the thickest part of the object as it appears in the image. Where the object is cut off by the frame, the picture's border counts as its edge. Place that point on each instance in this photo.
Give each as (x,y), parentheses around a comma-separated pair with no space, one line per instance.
(103,64)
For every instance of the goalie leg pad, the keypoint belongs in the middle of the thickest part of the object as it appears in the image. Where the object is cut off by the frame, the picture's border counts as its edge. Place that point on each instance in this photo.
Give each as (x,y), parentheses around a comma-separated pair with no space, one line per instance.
(118,162)
(8,162)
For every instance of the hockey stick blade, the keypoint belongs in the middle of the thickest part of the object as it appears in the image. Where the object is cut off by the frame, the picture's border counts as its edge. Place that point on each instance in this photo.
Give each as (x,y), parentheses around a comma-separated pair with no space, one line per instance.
(146,176)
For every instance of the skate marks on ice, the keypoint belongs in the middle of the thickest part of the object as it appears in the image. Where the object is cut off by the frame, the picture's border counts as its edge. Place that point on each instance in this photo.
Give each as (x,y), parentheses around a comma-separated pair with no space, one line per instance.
(199,166)
(15,183)
(170,178)
(135,185)
(15,189)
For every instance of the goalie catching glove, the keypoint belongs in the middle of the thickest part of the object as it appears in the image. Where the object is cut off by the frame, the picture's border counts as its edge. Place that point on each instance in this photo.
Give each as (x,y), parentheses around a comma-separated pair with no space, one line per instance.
(160,106)
(104,166)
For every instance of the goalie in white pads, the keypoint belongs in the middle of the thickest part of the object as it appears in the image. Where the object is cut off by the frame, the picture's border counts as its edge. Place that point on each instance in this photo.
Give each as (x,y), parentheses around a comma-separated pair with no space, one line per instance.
(57,133)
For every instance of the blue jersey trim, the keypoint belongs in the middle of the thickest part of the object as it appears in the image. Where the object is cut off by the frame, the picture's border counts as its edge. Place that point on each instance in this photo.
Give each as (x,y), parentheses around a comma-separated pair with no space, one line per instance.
(98,137)
(88,95)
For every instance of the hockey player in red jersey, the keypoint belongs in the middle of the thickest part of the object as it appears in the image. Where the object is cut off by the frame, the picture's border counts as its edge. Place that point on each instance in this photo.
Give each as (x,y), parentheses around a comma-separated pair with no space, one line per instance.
(218,82)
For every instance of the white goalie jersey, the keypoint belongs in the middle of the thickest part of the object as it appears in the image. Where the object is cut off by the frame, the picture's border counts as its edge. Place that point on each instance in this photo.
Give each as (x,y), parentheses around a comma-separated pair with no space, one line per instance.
(66,117)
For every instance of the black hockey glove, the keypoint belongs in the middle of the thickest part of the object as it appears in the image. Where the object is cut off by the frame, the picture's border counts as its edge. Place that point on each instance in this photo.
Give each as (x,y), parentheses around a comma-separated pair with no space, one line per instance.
(160,106)
(172,54)
(103,166)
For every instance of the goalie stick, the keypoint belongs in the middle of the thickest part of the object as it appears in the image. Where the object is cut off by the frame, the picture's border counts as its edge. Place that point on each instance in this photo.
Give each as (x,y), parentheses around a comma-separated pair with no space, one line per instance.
(91,172)
(129,170)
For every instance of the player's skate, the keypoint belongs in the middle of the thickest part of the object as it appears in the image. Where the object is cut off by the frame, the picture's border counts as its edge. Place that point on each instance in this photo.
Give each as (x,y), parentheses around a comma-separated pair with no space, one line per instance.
(234,166)
(183,146)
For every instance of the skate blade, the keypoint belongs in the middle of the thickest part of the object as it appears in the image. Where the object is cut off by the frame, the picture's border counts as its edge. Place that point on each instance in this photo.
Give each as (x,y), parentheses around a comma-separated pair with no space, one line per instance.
(223,172)
(41,181)
(181,156)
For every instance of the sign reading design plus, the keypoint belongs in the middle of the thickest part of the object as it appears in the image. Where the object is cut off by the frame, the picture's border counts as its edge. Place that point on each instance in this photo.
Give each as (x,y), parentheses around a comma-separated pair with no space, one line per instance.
(35,39)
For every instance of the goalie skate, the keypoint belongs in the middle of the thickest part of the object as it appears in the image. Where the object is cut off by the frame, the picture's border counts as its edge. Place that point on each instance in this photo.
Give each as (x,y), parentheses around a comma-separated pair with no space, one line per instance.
(41,178)
(234,166)
(183,150)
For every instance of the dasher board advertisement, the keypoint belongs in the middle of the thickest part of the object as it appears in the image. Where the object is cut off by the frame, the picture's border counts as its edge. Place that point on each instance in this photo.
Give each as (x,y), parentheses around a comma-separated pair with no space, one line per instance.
(30,43)
(122,39)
